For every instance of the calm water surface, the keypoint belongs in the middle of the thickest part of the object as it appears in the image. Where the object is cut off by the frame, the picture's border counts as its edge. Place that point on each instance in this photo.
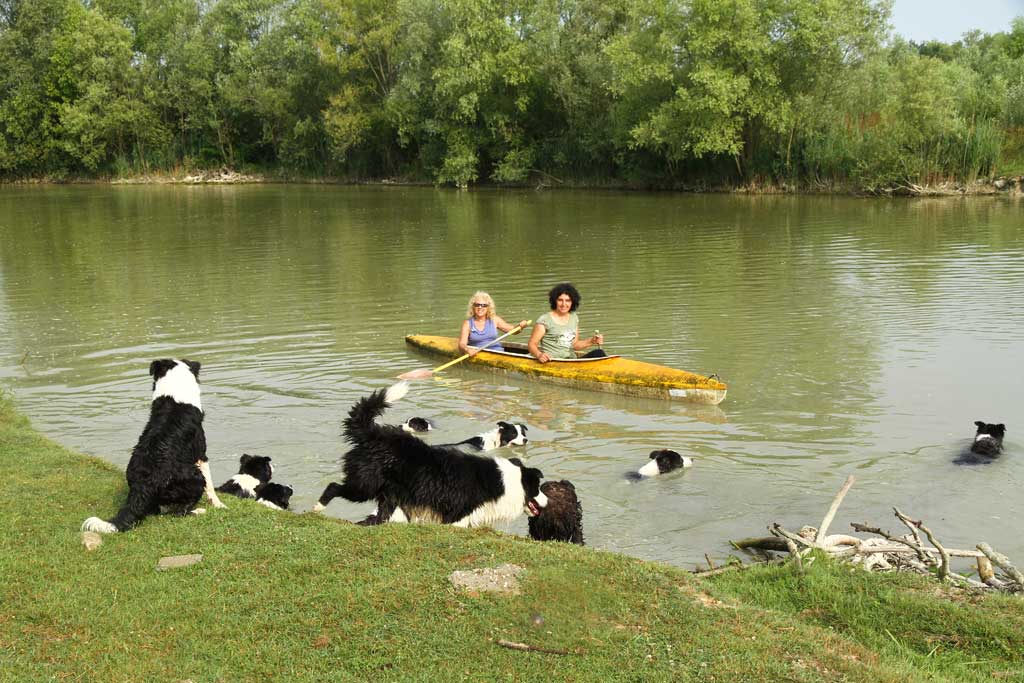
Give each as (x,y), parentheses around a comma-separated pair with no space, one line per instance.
(858,336)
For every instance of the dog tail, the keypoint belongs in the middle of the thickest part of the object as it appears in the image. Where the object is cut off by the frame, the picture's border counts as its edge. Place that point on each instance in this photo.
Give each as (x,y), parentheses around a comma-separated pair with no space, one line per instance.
(360,421)
(138,506)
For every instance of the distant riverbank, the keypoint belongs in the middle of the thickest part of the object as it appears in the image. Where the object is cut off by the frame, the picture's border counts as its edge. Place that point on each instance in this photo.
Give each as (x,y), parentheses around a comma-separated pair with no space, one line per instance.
(1001,185)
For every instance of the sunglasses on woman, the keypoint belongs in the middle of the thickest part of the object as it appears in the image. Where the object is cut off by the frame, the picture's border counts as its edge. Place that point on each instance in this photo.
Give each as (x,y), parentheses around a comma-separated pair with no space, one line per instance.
(480,305)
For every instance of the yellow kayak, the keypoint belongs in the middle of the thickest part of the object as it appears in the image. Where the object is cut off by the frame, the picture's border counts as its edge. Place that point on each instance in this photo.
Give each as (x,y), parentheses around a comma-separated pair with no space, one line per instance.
(612,374)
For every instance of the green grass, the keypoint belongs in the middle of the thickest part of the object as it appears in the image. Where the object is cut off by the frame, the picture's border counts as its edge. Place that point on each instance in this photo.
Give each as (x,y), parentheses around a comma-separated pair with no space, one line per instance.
(285,597)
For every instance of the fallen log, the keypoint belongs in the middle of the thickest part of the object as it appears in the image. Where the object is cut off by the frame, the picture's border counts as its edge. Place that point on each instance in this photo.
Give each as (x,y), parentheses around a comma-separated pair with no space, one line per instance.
(773,543)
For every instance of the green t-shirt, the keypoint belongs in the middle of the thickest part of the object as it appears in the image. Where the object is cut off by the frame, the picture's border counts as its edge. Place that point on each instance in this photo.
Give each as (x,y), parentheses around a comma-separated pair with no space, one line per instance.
(558,338)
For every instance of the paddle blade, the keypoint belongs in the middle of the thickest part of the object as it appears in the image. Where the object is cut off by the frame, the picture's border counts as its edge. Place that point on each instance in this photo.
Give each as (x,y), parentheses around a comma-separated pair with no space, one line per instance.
(416,374)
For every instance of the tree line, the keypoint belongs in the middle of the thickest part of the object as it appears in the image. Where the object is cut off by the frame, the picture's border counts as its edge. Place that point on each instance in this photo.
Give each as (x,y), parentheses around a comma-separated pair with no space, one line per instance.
(653,92)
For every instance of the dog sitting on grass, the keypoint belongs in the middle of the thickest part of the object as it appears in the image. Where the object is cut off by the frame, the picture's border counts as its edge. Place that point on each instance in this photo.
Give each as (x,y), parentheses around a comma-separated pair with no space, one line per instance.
(168,470)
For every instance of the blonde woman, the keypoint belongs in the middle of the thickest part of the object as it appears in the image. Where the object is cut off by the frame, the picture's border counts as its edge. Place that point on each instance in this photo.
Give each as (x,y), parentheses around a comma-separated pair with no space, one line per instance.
(482,325)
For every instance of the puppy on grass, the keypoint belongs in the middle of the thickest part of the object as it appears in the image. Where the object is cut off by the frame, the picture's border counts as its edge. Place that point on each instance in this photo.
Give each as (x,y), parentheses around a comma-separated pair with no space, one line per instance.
(168,470)
(253,470)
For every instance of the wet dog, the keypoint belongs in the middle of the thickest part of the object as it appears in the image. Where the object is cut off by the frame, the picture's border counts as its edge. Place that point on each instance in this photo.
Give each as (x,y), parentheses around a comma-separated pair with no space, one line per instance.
(505,434)
(168,470)
(274,495)
(987,445)
(428,483)
(562,518)
(664,461)
(988,440)
(417,424)
(253,470)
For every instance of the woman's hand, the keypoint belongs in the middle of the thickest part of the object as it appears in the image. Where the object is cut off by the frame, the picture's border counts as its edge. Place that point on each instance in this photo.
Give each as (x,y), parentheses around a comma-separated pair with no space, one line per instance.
(472,351)
(543,357)
(522,325)
(597,339)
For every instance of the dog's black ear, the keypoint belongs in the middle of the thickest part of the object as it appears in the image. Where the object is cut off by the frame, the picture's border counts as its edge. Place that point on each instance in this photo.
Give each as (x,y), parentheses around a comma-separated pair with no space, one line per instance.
(517,462)
(159,368)
(244,459)
(979,424)
(1001,426)
(193,365)
(524,427)
(503,424)
(540,475)
(653,455)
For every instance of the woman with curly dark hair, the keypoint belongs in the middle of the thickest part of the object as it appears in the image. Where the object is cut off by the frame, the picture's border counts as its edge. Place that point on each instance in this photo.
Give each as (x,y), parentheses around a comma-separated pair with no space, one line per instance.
(556,333)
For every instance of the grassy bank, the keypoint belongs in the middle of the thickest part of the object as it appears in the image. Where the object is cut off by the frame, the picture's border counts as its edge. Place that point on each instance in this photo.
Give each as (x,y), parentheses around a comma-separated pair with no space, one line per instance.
(285,597)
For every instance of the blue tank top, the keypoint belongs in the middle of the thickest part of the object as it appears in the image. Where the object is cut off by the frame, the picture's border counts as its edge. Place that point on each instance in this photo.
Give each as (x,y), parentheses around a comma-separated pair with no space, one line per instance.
(489,334)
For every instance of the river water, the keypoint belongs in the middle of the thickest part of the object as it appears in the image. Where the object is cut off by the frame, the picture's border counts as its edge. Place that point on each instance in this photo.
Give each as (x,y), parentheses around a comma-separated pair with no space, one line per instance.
(857,336)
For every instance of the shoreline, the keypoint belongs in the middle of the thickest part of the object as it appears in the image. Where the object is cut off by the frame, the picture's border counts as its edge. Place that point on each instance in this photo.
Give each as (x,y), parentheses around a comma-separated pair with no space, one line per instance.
(323,599)
(1008,186)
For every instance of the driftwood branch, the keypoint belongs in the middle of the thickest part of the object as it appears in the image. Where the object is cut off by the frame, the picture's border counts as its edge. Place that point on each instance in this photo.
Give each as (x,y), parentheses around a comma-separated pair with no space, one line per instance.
(1003,562)
(922,553)
(901,553)
(943,572)
(830,515)
(795,553)
(737,567)
(530,648)
(777,530)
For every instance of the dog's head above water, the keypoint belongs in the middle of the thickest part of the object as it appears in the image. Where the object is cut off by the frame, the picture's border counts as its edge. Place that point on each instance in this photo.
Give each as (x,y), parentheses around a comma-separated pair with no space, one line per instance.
(662,461)
(988,440)
(176,379)
(508,434)
(534,499)
(417,424)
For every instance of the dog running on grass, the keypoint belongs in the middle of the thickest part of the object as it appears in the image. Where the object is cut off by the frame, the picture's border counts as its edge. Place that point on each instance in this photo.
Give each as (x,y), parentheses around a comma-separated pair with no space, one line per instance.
(428,483)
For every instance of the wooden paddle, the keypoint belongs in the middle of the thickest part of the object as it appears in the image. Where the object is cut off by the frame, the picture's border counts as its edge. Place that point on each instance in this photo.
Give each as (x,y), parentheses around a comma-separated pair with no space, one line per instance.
(424,373)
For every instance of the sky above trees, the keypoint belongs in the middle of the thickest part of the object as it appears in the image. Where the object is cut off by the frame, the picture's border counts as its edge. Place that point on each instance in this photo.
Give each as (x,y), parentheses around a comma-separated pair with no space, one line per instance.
(948,20)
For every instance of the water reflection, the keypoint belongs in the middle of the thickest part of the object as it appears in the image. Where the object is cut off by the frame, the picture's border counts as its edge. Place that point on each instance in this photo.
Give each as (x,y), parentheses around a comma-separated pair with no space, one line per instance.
(852,333)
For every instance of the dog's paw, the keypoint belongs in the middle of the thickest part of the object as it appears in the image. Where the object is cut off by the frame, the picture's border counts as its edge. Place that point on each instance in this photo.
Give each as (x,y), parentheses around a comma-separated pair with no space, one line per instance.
(98,525)
(198,511)
(216,502)
(318,507)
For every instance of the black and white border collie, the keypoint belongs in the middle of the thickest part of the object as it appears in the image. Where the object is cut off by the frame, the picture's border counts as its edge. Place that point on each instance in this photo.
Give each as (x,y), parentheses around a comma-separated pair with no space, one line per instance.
(417,424)
(275,496)
(253,470)
(505,434)
(562,518)
(168,470)
(428,483)
(987,445)
(988,440)
(664,461)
